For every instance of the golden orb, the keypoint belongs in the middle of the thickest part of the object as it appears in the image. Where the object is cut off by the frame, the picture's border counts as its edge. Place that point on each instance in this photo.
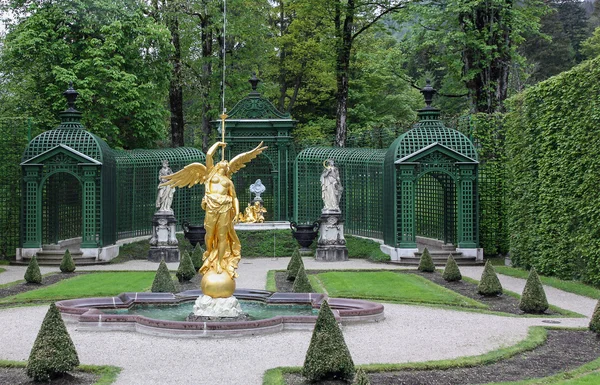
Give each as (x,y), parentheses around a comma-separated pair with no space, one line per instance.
(217,285)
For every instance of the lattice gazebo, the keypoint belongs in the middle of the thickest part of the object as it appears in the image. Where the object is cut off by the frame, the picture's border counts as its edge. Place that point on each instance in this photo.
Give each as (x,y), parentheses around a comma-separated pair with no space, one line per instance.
(431,187)
(252,120)
(79,192)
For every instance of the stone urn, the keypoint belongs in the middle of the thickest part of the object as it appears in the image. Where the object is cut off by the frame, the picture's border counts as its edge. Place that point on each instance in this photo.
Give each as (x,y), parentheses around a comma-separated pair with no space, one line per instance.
(305,234)
(194,233)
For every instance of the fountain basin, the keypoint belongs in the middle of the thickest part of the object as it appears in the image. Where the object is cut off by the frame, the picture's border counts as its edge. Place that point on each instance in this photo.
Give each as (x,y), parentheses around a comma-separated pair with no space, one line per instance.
(103,313)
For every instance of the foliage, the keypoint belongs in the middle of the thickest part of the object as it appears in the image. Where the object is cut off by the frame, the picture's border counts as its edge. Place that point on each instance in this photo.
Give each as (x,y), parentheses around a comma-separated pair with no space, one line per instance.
(590,48)
(533,300)
(276,243)
(595,320)
(426,262)
(185,270)
(553,205)
(53,352)
(391,286)
(294,265)
(451,271)
(196,257)
(301,283)
(33,273)
(88,285)
(67,265)
(489,284)
(112,52)
(361,378)
(328,356)
(162,280)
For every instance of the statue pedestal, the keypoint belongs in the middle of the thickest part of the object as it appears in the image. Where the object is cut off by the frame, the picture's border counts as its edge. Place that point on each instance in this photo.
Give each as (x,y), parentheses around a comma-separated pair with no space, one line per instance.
(209,307)
(331,245)
(163,243)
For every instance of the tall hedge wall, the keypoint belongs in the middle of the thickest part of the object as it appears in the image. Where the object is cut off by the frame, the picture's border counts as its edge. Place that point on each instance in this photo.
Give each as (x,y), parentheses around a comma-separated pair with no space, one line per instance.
(553,167)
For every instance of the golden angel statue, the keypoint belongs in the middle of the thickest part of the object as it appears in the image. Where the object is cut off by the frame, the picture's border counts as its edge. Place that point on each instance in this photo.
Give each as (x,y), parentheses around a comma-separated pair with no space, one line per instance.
(223,250)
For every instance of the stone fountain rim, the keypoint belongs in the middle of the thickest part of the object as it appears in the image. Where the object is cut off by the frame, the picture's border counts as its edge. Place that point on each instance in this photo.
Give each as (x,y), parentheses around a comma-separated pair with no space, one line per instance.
(87,313)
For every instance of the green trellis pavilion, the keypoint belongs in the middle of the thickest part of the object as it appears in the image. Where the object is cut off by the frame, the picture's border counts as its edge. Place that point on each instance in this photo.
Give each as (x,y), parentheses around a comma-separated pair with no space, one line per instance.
(80,194)
(421,190)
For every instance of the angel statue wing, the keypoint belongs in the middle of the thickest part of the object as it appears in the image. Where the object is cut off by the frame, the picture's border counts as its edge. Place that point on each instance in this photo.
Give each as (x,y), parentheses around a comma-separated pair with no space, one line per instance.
(239,161)
(189,176)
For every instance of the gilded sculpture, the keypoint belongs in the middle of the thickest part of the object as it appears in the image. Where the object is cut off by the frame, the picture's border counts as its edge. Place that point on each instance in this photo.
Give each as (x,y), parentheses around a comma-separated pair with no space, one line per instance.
(253,213)
(223,250)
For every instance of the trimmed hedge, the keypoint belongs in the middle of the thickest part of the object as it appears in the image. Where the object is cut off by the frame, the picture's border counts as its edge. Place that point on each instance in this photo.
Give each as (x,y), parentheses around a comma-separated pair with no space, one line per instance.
(53,352)
(162,280)
(328,356)
(301,283)
(33,273)
(67,265)
(361,378)
(294,265)
(196,257)
(533,300)
(451,271)
(185,270)
(489,285)
(554,173)
(595,321)
(426,263)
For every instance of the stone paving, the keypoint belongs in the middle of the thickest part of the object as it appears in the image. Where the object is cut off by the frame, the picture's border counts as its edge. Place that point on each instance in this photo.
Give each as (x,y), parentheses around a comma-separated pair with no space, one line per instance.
(408,334)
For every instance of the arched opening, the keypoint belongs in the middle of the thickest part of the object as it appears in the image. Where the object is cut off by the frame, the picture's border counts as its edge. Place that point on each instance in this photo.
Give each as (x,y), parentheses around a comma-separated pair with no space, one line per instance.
(61,208)
(260,168)
(435,207)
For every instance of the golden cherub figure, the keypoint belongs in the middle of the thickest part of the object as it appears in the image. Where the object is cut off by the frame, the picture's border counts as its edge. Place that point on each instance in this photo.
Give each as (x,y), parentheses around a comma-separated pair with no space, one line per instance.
(223,249)
(253,213)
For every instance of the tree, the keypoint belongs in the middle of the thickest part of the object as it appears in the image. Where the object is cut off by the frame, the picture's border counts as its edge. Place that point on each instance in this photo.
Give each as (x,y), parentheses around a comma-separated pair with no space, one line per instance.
(426,263)
(451,271)
(294,265)
(196,257)
(162,280)
(301,283)
(595,320)
(361,378)
(533,300)
(114,54)
(53,352)
(489,284)
(185,270)
(591,47)
(328,356)
(67,265)
(33,274)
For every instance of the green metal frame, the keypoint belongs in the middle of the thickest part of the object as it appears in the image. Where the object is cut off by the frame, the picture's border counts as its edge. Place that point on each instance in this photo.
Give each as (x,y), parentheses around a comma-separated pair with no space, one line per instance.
(252,120)
(361,172)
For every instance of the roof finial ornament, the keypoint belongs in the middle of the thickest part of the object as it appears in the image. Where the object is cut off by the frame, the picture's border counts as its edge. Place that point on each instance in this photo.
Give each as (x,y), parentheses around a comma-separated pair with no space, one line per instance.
(254,82)
(71,96)
(428,91)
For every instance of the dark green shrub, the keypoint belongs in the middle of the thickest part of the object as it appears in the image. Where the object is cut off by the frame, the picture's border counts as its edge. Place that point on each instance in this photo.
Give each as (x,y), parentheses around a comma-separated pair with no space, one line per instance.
(361,378)
(186,270)
(533,300)
(301,283)
(489,285)
(67,265)
(196,257)
(451,271)
(328,356)
(426,263)
(595,321)
(53,352)
(162,280)
(294,265)
(33,274)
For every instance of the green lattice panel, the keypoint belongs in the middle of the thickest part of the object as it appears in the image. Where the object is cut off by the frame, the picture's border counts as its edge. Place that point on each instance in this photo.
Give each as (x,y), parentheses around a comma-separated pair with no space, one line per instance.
(361,172)
(61,208)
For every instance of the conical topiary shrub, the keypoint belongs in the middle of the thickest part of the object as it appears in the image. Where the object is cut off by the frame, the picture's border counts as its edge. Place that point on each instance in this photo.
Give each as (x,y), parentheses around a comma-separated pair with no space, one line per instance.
(162,280)
(328,356)
(489,285)
(595,321)
(361,378)
(301,283)
(451,271)
(426,263)
(53,352)
(67,265)
(294,265)
(196,257)
(186,270)
(533,300)
(33,274)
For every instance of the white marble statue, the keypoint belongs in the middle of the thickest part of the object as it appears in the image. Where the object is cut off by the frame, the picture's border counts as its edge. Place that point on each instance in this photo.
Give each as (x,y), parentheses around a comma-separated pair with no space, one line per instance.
(164,199)
(257,188)
(331,187)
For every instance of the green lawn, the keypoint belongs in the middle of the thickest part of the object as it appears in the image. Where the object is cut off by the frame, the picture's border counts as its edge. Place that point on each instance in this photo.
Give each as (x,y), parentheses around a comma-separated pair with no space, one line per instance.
(2,270)
(569,286)
(390,286)
(88,285)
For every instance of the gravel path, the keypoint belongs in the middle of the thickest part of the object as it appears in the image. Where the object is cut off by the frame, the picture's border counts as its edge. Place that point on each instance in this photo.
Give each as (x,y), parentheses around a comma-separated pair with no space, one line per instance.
(408,334)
